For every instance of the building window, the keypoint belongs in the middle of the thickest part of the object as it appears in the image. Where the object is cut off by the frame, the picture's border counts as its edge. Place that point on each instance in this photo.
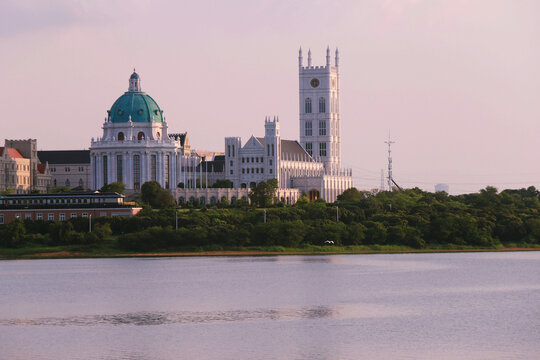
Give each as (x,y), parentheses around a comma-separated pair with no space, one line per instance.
(262,170)
(105,171)
(231,162)
(231,172)
(243,170)
(322,127)
(257,170)
(322,105)
(270,161)
(119,168)
(136,171)
(243,160)
(153,167)
(73,215)
(308,131)
(62,217)
(307,107)
(233,150)
(229,150)
(28,216)
(140,136)
(50,217)
(267,150)
(272,149)
(322,149)
(120,136)
(270,171)
(309,148)
(1,218)
(39,216)
(84,215)
(167,171)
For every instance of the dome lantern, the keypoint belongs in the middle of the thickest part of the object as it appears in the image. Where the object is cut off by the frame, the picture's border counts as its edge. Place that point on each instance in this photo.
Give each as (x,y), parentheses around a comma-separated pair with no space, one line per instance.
(134,82)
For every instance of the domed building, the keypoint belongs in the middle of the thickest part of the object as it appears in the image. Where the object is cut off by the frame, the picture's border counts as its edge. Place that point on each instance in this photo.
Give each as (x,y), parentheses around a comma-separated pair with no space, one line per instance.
(136,146)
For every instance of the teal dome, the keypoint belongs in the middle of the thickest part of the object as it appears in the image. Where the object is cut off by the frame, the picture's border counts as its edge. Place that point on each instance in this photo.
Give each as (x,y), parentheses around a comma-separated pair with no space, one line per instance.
(140,106)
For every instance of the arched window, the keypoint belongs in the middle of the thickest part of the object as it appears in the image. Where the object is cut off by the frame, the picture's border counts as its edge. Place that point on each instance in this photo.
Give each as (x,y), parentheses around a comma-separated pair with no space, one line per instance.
(140,136)
(243,185)
(158,135)
(252,185)
(202,200)
(307,109)
(191,199)
(213,200)
(181,200)
(120,136)
(322,105)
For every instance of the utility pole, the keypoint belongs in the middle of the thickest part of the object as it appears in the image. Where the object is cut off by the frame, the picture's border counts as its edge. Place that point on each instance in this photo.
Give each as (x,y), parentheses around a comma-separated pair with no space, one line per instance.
(265,216)
(390,180)
(90,223)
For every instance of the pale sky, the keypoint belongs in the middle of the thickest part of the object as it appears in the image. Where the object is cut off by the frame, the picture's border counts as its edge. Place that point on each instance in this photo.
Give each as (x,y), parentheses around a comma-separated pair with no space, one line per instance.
(456,82)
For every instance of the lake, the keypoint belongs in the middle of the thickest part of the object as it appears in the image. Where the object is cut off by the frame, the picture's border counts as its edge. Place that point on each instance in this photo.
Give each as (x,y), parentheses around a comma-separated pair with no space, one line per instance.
(396,306)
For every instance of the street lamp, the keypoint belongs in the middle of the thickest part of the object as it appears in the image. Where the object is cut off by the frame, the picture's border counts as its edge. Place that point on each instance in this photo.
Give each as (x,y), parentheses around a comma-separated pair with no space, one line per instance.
(90,223)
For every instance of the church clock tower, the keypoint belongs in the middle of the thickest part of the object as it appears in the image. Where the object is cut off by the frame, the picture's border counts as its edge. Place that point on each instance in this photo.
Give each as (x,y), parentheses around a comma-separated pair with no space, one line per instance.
(319,111)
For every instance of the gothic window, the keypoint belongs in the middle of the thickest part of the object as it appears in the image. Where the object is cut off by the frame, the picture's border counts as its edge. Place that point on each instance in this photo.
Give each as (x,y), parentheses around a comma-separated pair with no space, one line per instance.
(272,149)
(270,161)
(267,149)
(322,127)
(119,168)
(322,149)
(153,168)
(308,106)
(262,170)
(308,128)
(243,170)
(309,148)
(231,162)
(140,136)
(105,171)
(228,150)
(243,159)
(233,150)
(120,136)
(322,105)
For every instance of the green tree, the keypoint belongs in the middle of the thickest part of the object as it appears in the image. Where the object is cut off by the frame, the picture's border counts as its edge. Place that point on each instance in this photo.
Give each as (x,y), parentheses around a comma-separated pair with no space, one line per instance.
(351,194)
(116,187)
(223,184)
(60,189)
(263,194)
(157,197)
(7,192)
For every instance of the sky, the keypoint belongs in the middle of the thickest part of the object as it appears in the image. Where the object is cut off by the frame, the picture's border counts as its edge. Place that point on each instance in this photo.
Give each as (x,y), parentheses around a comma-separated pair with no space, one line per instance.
(456,83)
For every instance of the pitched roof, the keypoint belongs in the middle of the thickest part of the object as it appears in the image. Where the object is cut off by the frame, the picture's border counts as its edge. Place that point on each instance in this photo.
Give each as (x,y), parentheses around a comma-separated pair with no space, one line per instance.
(179,136)
(291,147)
(11,152)
(64,156)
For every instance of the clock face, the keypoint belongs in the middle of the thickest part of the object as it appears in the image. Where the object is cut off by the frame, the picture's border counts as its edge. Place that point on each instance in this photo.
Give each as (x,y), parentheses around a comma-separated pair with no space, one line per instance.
(314,82)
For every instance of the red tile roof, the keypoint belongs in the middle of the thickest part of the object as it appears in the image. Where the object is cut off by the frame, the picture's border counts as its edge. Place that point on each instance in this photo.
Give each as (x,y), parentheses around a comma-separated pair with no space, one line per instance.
(12,153)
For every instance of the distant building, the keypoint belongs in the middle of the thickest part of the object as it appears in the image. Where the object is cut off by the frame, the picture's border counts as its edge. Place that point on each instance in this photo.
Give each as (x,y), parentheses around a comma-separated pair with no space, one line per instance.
(20,168)
(442,187)
(69,168)
(63,206)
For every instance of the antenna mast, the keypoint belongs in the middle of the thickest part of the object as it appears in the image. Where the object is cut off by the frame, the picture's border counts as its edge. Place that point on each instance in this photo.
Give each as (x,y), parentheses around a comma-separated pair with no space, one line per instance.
(390,180)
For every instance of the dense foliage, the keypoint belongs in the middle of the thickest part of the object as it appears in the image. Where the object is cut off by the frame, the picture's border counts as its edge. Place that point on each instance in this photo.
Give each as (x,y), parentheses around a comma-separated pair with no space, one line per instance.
(412,218)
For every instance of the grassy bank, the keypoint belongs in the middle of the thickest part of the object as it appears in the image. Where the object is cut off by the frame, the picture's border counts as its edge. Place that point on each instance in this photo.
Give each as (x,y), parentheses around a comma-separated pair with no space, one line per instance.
(103,251)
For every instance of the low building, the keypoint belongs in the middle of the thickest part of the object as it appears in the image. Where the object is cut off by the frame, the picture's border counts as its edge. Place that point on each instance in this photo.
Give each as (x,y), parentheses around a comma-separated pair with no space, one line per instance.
(69,168)
(63,206)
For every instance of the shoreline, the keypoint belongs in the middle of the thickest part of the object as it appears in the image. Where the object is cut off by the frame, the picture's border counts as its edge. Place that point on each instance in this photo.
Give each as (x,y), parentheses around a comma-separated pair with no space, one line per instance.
(225,253)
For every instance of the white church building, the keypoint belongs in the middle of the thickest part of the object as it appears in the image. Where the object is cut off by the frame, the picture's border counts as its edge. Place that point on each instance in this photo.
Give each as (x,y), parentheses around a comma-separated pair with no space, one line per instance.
(136,147)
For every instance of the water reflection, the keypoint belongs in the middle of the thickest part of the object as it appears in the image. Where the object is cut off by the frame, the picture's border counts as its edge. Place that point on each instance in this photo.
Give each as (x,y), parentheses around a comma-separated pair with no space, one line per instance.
(183,317)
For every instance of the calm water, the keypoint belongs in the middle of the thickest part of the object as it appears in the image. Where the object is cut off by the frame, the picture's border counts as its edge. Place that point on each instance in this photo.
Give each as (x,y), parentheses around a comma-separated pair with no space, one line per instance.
(413,306)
